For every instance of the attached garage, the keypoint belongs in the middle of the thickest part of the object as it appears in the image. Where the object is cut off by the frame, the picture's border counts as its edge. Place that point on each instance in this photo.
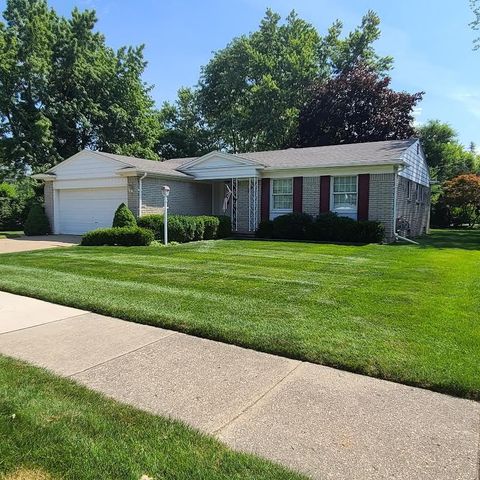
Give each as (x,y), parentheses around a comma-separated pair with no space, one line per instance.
(84,209)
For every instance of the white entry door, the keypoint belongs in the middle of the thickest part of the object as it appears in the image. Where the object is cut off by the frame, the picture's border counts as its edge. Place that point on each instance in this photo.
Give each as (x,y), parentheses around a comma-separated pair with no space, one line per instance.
(83,209)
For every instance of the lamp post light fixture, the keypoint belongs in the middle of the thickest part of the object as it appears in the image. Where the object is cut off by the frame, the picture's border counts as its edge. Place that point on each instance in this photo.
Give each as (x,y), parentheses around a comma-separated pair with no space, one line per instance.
(165,193)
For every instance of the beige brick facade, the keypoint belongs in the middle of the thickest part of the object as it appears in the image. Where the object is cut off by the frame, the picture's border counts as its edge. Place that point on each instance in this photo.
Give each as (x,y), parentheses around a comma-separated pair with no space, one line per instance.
(186,198)
(380,201)
(311,195)
(413,205)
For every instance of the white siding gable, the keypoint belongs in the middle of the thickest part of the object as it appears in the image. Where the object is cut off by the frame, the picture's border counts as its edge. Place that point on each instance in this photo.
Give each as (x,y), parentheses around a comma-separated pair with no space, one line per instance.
(87,165)
(416,168)
(216,165)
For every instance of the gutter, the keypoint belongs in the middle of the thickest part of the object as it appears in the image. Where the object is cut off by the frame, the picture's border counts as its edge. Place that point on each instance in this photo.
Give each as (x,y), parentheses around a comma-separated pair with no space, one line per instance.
(140,191)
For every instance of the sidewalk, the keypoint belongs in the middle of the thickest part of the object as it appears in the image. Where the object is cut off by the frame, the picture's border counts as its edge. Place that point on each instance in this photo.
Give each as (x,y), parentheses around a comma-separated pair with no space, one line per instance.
(327,423)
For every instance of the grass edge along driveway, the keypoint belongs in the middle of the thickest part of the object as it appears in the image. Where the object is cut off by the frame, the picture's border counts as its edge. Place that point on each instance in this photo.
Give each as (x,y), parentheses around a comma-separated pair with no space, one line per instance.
(404,313)
(57,428)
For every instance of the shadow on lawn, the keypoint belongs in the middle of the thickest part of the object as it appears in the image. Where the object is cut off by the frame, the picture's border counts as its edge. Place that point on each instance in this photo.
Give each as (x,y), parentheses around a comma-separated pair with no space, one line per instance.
(465,239)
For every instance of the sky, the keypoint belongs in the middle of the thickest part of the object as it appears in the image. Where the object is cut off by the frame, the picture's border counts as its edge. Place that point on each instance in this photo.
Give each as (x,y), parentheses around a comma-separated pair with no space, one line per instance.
(430,41)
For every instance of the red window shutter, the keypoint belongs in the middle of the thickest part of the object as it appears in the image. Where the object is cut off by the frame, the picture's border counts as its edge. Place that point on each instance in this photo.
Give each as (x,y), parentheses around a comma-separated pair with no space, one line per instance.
(297,194)
(265,203)
(324,193)
(363,191)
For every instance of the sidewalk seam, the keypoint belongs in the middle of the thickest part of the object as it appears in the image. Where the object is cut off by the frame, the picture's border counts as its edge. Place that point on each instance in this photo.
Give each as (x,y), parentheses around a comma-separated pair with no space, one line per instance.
(46,323)
(255,402)
(121,355)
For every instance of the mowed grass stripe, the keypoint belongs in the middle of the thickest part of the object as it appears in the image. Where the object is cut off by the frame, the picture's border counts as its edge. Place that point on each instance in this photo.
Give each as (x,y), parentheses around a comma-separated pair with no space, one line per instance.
(405,313)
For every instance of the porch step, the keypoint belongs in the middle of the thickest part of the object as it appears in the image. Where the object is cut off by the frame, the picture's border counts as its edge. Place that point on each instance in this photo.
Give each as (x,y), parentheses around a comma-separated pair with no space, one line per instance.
(243,235)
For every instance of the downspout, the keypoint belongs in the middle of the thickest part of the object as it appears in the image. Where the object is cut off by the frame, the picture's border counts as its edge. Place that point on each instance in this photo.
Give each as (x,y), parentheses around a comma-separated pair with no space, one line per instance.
(395,195)
(140,191)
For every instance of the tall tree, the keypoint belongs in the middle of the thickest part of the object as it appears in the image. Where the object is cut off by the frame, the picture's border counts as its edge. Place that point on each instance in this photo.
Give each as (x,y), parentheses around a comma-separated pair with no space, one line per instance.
(356,106)
(252,90)
(475,24)
(446,157)
(185,132)
(341,55)
(62,89)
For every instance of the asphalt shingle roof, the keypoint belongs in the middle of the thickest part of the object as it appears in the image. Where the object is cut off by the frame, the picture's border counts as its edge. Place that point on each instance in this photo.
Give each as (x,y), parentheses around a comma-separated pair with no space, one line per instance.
(353,154)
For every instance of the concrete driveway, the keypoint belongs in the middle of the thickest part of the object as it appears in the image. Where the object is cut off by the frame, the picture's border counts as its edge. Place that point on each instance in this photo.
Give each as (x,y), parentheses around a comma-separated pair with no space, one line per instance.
(327,423)
(23,244)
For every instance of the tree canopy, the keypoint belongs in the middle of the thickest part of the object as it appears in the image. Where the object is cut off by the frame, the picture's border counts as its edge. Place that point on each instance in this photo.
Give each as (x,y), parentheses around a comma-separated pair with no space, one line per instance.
(446,157)
(251,92)
(62,89)
(356,106)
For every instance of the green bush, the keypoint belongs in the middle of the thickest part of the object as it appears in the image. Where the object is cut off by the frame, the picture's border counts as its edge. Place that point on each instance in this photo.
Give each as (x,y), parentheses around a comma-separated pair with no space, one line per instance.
(124,217)
(265,229)
(37,222)
(292,226)
(327,227)
(16,200)
(224,227)
(210,227)
(123,236)
(184,228)
(154,223)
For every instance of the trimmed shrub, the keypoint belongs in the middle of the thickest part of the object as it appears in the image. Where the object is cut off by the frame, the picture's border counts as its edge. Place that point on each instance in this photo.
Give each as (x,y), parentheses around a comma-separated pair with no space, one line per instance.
(265,229)
(183,228)
(210,227)
(327,227)
(37,222)
(122,236)
(124,217)
(331,227)
(366,231)
(153,222)
(224,227)
(293,226)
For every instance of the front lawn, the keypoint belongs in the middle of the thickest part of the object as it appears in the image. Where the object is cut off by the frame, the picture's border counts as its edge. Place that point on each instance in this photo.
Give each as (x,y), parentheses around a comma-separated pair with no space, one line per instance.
(51,428)
(406,313)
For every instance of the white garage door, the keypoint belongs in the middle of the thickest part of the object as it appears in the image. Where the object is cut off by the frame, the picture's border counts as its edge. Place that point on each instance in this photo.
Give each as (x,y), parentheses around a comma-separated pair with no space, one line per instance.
(81,210)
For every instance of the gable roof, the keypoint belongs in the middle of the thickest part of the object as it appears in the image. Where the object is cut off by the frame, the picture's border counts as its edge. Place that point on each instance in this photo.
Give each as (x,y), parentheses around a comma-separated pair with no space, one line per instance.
(354,154)
(351,154)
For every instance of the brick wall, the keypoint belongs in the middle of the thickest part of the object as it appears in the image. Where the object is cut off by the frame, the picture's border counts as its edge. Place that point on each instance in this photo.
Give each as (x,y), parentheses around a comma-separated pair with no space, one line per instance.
(380,199)
(311,195)
(414,209)
(48,196)
(132,194)
(186,198)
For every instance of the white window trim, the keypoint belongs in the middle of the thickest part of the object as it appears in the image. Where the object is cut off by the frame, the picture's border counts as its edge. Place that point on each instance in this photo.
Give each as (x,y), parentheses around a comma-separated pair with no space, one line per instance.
(276,212)
(353,213)
(409,190)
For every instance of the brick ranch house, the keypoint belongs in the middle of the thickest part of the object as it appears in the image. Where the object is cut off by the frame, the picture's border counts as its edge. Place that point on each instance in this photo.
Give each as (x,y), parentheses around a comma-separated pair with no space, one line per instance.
(386,181)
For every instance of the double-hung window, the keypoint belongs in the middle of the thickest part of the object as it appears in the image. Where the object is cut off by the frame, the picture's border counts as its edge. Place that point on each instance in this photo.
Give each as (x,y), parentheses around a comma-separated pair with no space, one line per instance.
(282,196)
(344,196)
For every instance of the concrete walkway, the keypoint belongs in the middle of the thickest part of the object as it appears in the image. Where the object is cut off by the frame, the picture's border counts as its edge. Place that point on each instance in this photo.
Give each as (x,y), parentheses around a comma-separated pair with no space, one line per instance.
(324,422)
(23,244)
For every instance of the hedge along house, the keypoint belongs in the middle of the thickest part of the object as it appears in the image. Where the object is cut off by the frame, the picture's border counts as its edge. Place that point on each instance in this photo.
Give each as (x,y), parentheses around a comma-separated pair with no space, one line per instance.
(386,181)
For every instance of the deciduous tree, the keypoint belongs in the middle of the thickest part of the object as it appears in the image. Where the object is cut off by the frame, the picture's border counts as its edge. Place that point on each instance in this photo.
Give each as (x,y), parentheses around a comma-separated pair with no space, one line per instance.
(63,89)
(357,105)
(463,193)
(251,92)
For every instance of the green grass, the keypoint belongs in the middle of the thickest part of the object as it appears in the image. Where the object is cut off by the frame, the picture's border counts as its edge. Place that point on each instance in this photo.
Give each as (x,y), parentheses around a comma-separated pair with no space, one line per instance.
(54,426)
(11,234)
(406,313)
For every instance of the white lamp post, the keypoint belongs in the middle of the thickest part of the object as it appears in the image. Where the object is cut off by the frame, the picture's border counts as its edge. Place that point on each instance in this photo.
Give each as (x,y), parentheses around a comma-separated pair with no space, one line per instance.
(165,193)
